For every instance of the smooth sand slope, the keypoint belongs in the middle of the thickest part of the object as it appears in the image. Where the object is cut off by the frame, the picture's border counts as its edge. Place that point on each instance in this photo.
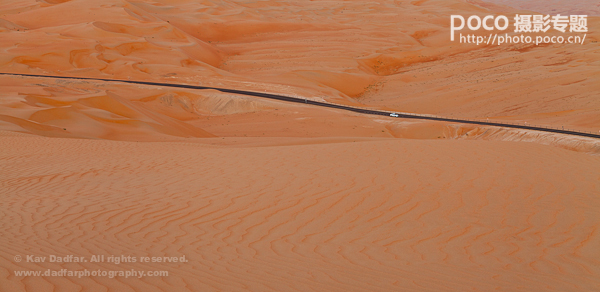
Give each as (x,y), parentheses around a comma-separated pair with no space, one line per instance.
(378,215)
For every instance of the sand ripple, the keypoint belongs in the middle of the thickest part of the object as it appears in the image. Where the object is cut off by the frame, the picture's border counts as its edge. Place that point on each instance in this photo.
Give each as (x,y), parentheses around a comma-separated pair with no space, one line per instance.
(388,215)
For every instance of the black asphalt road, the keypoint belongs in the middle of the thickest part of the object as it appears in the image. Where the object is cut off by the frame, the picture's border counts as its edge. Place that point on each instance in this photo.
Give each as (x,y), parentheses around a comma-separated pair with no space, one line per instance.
(323,104)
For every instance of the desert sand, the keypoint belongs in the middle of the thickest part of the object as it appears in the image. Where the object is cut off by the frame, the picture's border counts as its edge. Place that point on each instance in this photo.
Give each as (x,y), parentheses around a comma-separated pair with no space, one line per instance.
(554,7)
(371,215)
(263,195)
(394,55)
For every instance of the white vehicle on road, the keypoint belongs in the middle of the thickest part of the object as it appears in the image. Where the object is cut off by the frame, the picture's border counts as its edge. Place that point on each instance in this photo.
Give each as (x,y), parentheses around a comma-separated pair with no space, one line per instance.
(395,115)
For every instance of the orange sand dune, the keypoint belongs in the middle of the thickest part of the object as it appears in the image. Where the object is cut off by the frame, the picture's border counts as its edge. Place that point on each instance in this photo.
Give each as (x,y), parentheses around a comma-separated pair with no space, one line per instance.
(118,111)
(553,7)
(377,215)
(392,54)
(87,109)
(262,195)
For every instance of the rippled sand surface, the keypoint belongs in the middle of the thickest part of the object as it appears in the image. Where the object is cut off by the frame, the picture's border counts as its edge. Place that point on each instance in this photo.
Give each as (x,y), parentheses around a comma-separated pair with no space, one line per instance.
(374,215)
(263,195)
